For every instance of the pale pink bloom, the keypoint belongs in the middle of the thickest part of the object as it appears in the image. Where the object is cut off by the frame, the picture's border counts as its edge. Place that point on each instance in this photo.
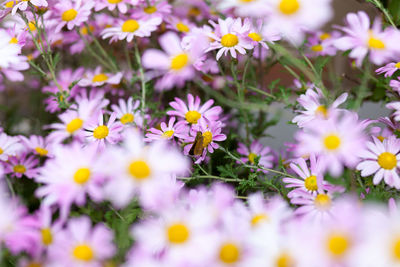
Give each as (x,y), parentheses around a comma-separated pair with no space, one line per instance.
(336,142)
(395,84)
(129,28)
(396,107)
(256,151)
(167,132)
(176,65)
(72,13)
(315,108)
(23,5)
(389,69)
(381,159)
(361,38)
(101,133)
(10,53)
(192,112)
(9,146)
(183,26)
(81,244)
(128,112)
(230,35)
(22,165)
(70,175)
(121,5)
(37,144)
(155,9)
(254,8)
(99,78)
(322,43)
(260,34)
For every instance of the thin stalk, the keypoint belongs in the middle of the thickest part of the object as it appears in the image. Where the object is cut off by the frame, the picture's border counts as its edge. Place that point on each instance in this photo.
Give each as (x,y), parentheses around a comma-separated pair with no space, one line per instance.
(142,79)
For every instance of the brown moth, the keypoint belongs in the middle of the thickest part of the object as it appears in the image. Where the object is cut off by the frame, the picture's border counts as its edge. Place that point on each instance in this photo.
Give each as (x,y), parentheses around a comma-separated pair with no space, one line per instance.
(197,147)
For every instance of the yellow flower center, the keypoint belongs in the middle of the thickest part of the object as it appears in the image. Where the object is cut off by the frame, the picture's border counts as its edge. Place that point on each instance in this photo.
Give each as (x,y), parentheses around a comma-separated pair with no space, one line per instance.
(258,218)
(13,41)
(317,48)
(34,264)
(332,142)
(182,27)
(375,43)
(322,111)
(98,78)
(229,253)
(380,138)
(322,202)
(150,9)
(83,252)
(179,62)
(41,151)
(100,132)
(85,30)
(337,244)
(114,1)
(246,1)
(127,118)
(10,4)
(207,138)
(32,26)
(285,260)
(177,233)
(192,116)
(81,176)
(397,65)
(324,36)
(74,125)
(311,183)
(255,36)
(47,237)
(289,7)
(387,160)
(19,169)
(69,15)
(130,25)
(252,156)
(1,151)
(139,170)
(168,133)
(194,12)
(396,249)
(229,40)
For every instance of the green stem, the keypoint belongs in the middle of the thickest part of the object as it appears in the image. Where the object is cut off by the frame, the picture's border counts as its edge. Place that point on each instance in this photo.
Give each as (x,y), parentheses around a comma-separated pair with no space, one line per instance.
(142,79)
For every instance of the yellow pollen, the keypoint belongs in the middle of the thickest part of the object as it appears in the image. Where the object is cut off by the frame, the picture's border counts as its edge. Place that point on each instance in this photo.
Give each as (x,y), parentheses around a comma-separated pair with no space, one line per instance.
(130,25)
(322,111)
(127,118)
(207,138)
(289,7)
(322,202)
(98,78)
(74,125)
(182,27)
(1,151)
(47,237)
(332,142)
(317,48)
(100,132)
(192,116)
(83,252)
(179,62)
(258,218)
(324,36)
(375,43)
(229,40)
(69,15)
(41,151)
(255,36)
(396,249)
(13,41)
(150,9)
(168,133)
(177,233)
(32,26)
(81,176)
(229,253)
(311,183)
(387,160)
(284,260)
(114,2)
(252,156)
(19,169)
(139,170)
(337,245)
(380,138)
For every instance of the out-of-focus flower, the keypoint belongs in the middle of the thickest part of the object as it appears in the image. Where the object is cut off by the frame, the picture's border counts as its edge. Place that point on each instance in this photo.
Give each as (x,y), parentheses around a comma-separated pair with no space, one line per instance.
(99,78)
(167,132)
(21,165)
(256,151)
(389,69)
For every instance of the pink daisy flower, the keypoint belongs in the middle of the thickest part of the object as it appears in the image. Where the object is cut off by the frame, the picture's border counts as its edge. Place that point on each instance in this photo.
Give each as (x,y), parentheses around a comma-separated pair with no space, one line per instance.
(180,25)
(23,5)
(254,8)
(322,43)
(37,144)
(389,69)
(382,45)
(82,245)
(230,35)
(22,165)
(256,151)
(121,5)
(167,132)
(9,146)
(129,28)
(72,13)
(99,78)
(193,113)
(10,52)
(128,112)
(382,159)
(101,133)
(396,107)
(395,84)
(155,9)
